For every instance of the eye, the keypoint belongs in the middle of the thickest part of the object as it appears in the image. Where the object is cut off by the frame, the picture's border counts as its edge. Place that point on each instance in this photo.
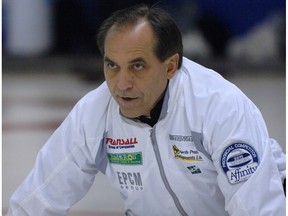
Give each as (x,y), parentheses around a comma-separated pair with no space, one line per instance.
(138,66)
(111,66)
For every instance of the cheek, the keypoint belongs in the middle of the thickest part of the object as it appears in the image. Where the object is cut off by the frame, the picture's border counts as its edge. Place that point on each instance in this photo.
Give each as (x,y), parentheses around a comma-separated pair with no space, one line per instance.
(161,82)
(111,85)
(154,89)
(110,80)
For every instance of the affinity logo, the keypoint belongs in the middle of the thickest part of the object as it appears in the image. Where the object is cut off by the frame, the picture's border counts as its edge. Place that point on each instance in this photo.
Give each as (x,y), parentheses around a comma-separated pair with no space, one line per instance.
(239,161)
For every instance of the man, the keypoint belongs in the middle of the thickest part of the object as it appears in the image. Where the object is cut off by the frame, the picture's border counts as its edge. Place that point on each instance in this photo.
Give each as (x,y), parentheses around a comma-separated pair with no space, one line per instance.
(172,136)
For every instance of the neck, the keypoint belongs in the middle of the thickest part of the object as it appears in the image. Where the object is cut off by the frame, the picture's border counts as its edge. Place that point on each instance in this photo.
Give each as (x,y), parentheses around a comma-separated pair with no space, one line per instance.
(155,112)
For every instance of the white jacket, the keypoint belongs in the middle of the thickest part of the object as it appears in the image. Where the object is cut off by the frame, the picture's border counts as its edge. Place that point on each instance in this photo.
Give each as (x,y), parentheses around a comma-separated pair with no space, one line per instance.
(209,154)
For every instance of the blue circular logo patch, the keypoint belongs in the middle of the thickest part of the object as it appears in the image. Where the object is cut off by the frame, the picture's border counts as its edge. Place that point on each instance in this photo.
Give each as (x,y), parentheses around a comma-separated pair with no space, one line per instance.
(239,161)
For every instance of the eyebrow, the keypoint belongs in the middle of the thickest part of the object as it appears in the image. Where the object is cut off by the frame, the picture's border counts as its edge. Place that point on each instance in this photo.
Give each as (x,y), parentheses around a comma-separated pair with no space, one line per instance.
(107,59)
(139,59)
(133,61)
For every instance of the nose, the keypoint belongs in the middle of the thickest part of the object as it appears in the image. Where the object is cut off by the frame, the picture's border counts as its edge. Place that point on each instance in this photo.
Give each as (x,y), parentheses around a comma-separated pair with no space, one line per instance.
(125,80)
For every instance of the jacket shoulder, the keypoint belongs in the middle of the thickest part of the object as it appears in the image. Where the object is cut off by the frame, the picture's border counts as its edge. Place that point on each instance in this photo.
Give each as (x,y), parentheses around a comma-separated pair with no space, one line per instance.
(90,111)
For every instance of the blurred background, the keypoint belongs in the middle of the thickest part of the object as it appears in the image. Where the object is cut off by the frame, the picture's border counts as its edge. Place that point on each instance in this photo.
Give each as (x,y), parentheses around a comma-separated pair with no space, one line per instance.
(50,60)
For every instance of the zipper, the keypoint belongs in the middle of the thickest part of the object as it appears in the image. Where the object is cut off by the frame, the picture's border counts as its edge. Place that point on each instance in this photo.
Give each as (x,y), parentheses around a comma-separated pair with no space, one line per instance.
(162,173)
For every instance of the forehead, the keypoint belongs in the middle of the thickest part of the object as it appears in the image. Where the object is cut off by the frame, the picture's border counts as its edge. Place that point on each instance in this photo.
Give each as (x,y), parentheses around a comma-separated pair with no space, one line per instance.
(130,40)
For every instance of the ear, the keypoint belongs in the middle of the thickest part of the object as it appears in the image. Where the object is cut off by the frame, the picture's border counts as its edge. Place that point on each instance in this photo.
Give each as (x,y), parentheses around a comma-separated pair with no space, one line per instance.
(172,65)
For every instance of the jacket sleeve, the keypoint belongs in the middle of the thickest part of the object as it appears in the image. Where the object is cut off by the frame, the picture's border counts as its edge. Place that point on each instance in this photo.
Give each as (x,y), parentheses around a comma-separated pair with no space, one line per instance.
(249,164)
(63,173)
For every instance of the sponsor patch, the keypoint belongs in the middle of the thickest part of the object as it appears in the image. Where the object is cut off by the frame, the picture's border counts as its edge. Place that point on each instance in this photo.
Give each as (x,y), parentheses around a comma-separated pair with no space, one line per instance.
(180,138)
(239,161)
(130,180)
(194,169)
(187,155)
(117,143)
(134,158)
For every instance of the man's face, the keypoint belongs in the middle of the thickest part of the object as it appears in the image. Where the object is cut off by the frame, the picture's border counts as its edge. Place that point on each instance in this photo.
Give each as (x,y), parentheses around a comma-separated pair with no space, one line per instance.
(135,76)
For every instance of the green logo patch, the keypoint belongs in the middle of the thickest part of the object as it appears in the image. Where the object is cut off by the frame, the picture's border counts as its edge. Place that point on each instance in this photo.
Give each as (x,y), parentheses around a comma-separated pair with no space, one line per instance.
(194,169)
(134,158)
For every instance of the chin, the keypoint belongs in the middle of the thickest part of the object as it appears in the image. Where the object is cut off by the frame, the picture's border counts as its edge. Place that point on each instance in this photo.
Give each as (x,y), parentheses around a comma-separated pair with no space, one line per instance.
(130,114)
